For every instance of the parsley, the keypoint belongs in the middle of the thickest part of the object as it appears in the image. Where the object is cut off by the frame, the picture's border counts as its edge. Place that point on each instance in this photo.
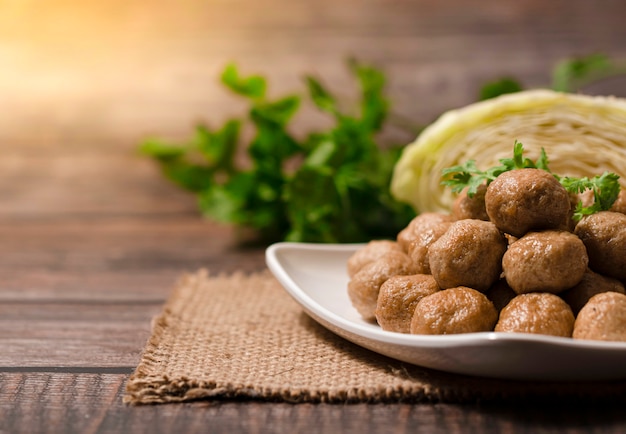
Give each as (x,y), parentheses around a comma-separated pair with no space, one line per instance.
(569,75)
(605,187)
(499,87)
(468,175)
(328,186)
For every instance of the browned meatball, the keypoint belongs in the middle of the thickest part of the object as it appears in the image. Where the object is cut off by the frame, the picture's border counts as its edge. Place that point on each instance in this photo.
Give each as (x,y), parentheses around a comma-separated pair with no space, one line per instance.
(465,207)
(468,254)
(369,253)
(527,199)
(620,204)
(454,310)
(546,261)
(590,285)
(500,294)
(603,318)
(363,288)
(604,235)
(398,297)
(418,248)
(419,224)
(537,312)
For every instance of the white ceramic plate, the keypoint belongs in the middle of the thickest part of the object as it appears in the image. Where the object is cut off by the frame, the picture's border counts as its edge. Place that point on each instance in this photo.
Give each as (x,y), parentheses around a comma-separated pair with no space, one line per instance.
(315,276)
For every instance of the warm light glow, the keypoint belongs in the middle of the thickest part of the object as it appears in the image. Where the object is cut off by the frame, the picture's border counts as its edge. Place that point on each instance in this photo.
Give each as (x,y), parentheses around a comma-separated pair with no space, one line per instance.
(59,56)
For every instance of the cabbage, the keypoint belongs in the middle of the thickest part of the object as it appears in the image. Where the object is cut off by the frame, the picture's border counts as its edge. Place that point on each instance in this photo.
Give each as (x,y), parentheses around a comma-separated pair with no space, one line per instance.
(582,136)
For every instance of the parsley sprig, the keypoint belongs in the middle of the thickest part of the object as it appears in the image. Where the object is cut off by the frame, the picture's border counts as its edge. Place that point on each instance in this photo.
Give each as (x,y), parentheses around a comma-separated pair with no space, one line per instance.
(605,187)
(329,186)
(467,175)
(569,75)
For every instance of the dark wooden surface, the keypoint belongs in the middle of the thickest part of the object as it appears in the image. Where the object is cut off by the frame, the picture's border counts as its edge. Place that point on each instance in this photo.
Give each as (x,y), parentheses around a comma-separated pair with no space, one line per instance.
(92,238)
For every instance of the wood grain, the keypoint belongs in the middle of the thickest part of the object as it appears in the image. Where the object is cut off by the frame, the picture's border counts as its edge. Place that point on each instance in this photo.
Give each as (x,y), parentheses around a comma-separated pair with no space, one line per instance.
(92,238)
(89,402)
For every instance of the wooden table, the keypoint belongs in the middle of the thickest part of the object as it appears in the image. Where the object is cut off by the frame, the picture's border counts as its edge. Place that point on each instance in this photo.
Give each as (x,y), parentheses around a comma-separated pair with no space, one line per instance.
(92,238)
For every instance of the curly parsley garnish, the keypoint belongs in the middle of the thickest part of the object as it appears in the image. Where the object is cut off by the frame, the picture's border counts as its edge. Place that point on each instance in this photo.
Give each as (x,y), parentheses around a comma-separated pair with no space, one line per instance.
(605,187)
(468,175)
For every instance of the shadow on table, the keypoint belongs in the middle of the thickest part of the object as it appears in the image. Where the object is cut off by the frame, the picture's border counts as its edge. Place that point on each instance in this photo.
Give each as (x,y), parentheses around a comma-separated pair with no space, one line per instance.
(488,393)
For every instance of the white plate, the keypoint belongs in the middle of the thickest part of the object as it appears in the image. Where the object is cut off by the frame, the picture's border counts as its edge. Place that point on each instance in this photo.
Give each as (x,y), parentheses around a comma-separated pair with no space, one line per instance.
(315,276)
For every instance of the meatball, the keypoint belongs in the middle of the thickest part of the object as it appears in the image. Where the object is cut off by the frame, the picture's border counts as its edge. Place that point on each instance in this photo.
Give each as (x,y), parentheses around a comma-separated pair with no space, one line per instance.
(527,199)
(546,261)
(465,207)
(418,248)
(468,254)
(419,224)
(453,310)
(604,236)
(537,312)
(398,297)
(363,288)
(603,318)
(370,252)
(590,285)
(620,203)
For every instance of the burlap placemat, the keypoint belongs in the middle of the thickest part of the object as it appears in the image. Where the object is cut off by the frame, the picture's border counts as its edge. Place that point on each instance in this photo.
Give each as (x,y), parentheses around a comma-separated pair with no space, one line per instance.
(242,337)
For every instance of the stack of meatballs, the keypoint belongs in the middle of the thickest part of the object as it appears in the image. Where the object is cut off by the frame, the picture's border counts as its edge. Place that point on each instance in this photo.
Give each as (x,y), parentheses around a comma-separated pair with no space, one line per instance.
(510,259)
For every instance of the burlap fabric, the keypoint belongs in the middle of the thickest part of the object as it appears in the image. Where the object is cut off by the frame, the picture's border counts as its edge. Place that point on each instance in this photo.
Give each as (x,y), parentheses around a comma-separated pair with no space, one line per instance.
(242,337)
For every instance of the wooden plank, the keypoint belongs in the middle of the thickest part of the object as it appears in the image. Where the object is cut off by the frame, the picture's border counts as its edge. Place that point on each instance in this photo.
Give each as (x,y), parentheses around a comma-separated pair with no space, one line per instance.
(117,246)
(75,334)
(92,184)
(70,312)
(95,346)
(52,402)
(92,402)
(41,285)
(63,343)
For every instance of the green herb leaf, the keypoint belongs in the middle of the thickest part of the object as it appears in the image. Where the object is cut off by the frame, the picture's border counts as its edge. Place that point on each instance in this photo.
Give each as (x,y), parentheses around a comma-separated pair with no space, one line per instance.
(192,177)
(543,161)
(313,204)
(320,96)
(468,176)
(499,87)
(605,189)
(219,147)
(374,105)
(572,74)
(161,151)
(520,162)
(278,112)
(251,87)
